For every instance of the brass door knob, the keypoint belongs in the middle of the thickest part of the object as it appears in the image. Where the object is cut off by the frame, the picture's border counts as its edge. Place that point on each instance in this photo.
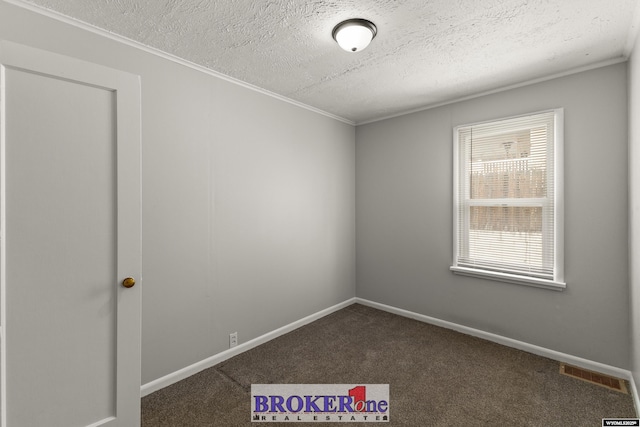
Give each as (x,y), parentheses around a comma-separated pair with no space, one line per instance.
(128,282)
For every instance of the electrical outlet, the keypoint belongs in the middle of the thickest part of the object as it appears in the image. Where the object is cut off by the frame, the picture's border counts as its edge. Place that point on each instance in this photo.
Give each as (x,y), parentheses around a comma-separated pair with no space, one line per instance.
(233,339)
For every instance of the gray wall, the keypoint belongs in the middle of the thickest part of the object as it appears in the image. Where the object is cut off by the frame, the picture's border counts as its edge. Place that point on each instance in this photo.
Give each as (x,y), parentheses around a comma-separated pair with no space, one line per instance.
(404,220)
(634,208)
(248,201)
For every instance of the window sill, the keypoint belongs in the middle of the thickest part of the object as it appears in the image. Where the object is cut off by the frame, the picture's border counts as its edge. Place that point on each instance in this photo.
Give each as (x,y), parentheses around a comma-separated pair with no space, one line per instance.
(509,278)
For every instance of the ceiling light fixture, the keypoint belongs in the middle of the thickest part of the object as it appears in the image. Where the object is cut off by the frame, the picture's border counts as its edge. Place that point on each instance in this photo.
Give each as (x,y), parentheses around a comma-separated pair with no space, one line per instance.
(353,35)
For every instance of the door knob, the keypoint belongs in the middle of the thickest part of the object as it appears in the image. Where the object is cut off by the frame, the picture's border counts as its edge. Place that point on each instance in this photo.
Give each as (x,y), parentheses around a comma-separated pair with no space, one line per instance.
(128,282)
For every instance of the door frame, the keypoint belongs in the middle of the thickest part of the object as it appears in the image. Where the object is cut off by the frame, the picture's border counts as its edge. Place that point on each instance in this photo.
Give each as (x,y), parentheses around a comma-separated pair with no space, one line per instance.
(126,87)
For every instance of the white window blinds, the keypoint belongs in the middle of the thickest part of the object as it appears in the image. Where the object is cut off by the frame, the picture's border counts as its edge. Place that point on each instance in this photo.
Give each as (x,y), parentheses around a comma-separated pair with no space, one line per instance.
(505,204)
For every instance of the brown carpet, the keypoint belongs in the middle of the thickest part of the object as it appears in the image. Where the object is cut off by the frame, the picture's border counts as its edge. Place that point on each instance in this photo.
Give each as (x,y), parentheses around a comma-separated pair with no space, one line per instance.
(436,377)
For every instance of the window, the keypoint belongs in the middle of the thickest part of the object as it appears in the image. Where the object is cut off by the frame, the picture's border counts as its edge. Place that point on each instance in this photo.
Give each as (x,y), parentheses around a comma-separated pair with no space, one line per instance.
(508,200)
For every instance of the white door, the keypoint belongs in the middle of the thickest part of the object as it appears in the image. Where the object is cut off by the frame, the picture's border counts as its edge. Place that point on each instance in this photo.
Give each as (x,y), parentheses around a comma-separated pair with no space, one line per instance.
(69,237)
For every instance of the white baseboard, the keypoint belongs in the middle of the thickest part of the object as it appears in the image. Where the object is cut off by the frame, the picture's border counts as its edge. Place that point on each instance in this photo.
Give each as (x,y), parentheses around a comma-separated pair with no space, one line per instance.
(183,373)
(634,393)
(520,345)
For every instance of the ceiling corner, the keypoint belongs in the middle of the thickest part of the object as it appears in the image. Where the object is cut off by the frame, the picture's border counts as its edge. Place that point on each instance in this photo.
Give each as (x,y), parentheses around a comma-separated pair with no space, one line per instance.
(632,36)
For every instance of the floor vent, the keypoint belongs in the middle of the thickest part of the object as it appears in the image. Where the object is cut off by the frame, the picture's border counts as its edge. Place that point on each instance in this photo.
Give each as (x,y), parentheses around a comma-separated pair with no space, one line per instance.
(602,380)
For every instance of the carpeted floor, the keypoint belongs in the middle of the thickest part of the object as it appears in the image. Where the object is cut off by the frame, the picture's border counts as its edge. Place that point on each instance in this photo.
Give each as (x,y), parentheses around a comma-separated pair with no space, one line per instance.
(436,377)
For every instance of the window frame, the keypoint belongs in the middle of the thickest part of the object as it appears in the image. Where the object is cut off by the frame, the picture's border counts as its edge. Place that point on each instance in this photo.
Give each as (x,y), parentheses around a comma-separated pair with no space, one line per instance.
(557,283)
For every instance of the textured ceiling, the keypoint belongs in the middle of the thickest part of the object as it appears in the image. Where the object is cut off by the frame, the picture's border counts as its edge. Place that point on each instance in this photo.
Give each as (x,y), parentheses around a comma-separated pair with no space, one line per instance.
(426,52)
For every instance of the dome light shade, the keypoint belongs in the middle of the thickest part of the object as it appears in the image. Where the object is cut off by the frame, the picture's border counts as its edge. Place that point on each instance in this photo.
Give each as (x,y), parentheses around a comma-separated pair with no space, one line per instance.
(353,35)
